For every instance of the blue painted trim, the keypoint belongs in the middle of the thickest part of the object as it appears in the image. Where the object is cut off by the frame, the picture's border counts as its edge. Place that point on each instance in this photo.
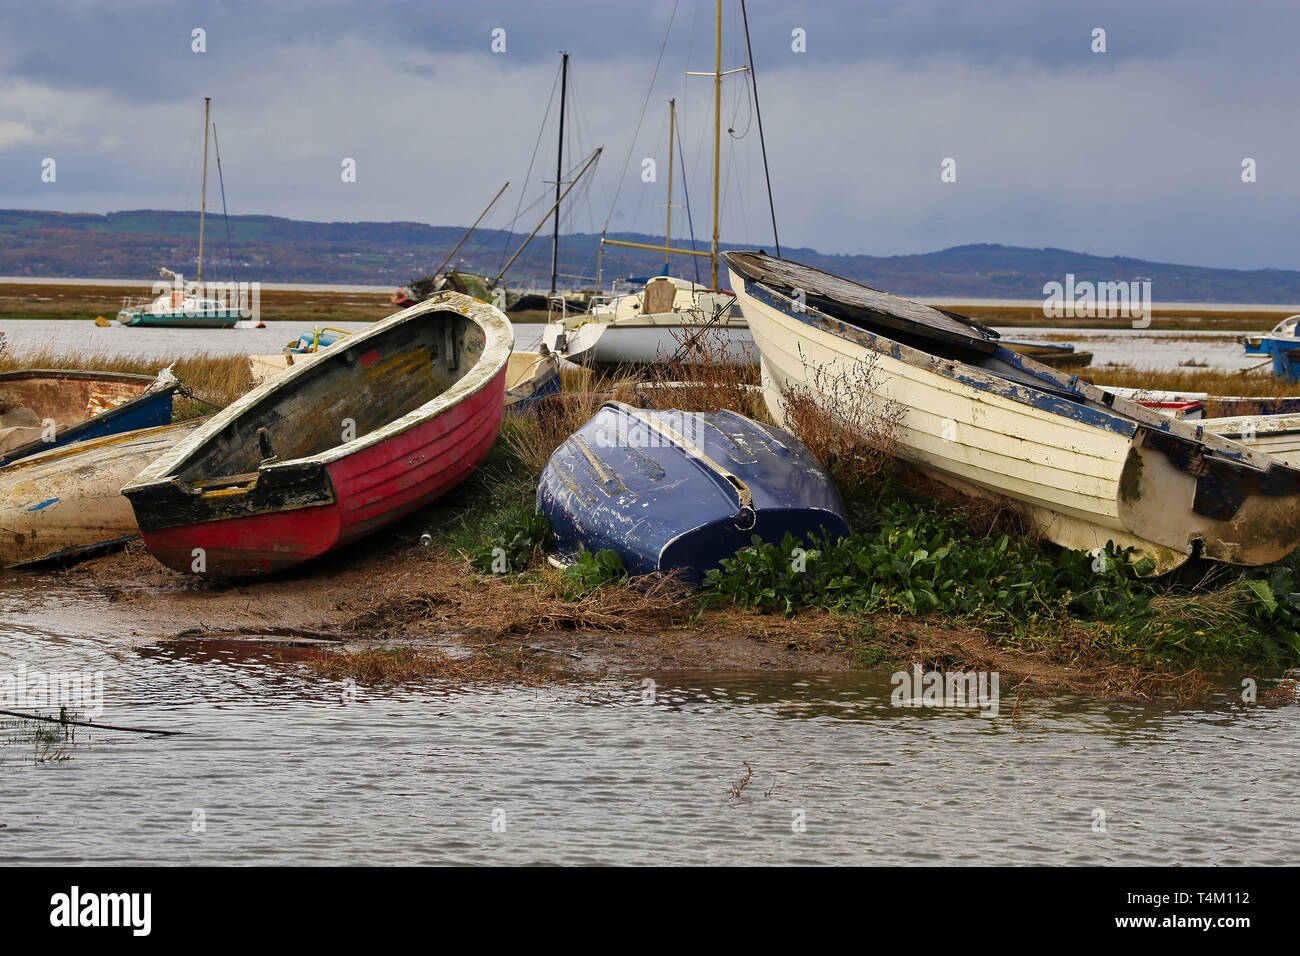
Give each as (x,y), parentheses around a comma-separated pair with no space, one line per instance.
(144,411)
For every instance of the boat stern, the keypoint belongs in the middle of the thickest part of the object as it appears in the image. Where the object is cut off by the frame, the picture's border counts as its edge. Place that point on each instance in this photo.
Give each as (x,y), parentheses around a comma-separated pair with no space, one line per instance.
(1241,507)
(240,527)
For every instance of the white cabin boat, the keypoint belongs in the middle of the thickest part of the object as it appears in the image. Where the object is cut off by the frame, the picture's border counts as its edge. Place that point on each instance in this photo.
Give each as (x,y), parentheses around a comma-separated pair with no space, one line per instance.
(658,323)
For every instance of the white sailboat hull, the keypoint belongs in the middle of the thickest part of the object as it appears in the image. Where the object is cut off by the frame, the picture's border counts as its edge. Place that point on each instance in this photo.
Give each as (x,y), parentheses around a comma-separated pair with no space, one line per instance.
(647,339)
(1083,477)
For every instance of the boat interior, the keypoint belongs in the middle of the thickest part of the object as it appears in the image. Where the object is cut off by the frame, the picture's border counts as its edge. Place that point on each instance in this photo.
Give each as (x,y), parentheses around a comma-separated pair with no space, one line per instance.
(28,399)
(347,392)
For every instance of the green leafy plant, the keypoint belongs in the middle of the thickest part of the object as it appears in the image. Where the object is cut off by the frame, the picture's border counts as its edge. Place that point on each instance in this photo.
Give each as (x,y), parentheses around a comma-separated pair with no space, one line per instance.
(915,557)
(524,533)
(590,571)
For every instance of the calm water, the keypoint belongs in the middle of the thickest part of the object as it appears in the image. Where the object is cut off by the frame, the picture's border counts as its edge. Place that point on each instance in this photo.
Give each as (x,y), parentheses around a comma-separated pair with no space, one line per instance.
(1157,349)
(281,768)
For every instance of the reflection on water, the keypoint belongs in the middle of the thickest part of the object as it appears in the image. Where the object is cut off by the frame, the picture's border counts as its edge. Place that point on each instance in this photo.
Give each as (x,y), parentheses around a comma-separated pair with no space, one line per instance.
(278,765)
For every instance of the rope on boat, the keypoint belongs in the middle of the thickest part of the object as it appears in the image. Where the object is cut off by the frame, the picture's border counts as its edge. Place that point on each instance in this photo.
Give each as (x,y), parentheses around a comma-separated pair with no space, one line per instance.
(188,392)
(91,723)
(692,338)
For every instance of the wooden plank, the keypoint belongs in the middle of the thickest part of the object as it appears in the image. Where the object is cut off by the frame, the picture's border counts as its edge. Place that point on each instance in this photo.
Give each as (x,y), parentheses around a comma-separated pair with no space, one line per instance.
(860,304)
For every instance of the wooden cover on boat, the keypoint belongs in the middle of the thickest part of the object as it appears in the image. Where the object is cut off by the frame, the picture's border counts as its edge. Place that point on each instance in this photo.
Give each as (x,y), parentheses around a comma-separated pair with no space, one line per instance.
(860,304)
(660,294)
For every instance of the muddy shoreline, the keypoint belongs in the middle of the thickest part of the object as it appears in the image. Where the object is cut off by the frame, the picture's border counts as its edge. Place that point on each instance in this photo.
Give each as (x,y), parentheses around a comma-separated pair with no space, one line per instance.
(389,592)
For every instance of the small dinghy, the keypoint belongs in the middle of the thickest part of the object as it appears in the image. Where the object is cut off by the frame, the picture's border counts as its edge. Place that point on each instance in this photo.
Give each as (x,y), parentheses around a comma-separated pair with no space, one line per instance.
(1055,354)
(67,503)
(530,377)
(679,491)
(41,409)
(342,444)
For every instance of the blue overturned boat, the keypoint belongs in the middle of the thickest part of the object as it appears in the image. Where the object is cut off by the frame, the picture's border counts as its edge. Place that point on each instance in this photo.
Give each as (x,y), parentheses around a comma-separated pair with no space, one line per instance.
(42,409)
(680,491)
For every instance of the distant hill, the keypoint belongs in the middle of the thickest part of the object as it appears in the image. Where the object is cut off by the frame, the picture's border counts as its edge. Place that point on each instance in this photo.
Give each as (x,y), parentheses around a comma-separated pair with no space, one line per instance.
(128,245)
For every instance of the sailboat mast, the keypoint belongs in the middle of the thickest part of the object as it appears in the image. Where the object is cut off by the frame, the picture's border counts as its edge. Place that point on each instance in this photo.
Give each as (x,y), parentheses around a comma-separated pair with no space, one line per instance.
(203,196)
(717,134)
(717,75)
(668,230)
(559,170)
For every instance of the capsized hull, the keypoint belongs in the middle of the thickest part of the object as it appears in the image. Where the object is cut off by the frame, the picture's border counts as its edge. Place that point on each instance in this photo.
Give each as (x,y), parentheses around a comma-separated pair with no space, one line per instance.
(679,491)
(359,436)
(1084,466)
(68,502)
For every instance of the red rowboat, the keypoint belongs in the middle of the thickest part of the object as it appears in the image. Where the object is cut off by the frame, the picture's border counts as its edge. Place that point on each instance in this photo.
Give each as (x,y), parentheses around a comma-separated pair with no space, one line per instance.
(334,448)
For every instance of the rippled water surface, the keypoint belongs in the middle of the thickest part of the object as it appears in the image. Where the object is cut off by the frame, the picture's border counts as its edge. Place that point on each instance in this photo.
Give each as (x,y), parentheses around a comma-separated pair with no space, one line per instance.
(279,766)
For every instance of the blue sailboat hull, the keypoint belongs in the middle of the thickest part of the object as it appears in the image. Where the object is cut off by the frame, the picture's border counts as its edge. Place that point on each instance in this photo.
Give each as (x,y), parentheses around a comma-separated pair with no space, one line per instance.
(680,491)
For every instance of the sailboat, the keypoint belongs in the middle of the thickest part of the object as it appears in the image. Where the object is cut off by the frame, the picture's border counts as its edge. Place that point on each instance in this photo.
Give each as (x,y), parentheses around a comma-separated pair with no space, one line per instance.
(670,318)
(184,305)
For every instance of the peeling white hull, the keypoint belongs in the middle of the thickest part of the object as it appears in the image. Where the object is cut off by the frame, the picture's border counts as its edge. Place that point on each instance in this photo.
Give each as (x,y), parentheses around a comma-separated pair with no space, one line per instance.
(68,501)
(1083,476)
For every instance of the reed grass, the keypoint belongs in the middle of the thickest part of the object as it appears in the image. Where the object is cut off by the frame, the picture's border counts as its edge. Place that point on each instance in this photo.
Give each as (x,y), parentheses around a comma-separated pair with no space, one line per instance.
(697,378)
(1263,383)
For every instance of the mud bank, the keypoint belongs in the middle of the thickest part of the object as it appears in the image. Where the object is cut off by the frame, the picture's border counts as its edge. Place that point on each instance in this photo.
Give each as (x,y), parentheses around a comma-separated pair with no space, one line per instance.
(390,592)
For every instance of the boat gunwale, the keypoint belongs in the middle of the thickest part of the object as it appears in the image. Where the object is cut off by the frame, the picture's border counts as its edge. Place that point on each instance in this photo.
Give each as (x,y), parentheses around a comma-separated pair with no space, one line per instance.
(499,334)
(78,374)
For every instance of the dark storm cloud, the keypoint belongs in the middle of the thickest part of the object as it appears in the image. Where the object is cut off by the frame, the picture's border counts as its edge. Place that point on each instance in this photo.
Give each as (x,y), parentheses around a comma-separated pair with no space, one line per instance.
(1134,151)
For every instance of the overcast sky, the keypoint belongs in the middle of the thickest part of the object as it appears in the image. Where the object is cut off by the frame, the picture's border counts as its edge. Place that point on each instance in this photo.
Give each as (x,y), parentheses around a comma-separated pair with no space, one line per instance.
(1136,151)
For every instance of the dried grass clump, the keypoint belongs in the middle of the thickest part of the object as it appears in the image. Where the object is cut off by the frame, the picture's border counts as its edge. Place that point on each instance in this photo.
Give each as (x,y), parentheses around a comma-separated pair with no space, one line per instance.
(404,665)
(845,422)
(698,378)
(433,595)
(534,439)
(1261,384)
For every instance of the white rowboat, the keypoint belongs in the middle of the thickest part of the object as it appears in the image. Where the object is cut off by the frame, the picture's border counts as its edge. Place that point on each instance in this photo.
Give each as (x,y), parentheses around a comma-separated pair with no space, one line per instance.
(1084,465)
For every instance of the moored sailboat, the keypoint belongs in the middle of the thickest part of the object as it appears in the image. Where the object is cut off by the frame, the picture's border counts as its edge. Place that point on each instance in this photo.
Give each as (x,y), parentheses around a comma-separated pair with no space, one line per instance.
(185,305)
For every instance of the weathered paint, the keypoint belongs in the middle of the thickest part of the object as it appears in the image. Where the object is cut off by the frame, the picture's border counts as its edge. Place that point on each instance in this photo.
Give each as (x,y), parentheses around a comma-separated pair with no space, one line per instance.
(678,491)
(252,516)
(67,501)
(85,405)
(1058,447)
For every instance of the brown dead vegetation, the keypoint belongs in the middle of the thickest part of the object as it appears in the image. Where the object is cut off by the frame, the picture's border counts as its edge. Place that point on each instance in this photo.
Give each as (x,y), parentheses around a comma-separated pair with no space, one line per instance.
(404,665)
(845,424)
